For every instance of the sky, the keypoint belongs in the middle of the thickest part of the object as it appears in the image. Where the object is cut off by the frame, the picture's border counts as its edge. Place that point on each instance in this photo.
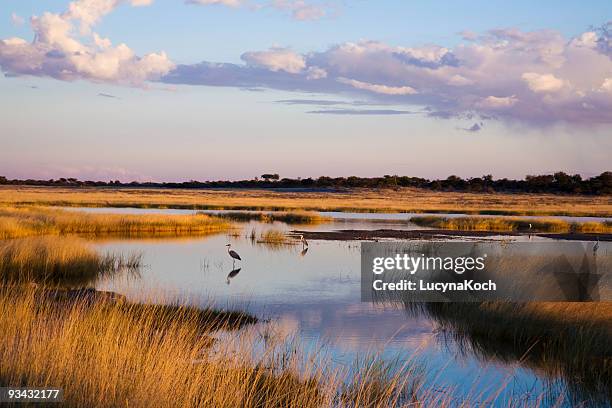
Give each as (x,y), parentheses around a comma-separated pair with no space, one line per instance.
(173,90)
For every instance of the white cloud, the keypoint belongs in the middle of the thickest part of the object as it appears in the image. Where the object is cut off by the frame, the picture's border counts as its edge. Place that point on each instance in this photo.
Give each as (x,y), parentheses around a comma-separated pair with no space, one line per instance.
(57,53)
(497,102)
(542,82)
(536,77)
(380,89)
(89,12)
(16,19)
(276,59)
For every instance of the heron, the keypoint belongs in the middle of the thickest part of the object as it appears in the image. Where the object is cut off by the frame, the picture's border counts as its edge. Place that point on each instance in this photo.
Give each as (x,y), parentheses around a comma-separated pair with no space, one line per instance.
(596,246)
(304,242)
(233,253)
(530,226)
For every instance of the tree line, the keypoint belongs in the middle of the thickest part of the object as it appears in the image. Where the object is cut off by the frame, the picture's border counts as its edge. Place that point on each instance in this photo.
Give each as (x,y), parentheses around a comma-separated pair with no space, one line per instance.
(559,182)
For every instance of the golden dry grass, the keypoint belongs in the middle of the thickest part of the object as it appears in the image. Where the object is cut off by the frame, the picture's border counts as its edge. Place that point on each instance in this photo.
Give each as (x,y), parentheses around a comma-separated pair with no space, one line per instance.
(510,224)
(112,355)
(358,200)
(273,237)
(299,217)
(27,221)
(51,259)
(569,340)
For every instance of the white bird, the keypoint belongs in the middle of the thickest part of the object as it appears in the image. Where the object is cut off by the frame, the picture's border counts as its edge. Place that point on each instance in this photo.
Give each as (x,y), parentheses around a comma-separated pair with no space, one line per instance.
(530,226)
(304,242)
(233,253)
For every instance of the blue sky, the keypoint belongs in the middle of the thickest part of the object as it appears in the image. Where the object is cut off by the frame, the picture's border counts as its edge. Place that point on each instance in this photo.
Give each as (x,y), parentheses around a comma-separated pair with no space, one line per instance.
(417,88)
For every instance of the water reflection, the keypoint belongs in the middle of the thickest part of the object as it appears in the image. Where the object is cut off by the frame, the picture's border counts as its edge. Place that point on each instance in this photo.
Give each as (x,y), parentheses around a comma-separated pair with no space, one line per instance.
(572,354)
(233,273)
(317,297)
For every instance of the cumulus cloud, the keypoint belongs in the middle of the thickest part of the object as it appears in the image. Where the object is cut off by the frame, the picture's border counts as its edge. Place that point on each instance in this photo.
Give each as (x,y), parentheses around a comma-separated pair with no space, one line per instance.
(543,82)
(538,77)
(276,59)
(60,53)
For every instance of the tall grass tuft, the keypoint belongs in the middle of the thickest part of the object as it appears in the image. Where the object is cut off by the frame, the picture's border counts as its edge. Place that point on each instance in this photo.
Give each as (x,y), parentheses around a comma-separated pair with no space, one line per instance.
(53,259)
(274,237)
(110,356)
(300,217)
(27,221)
(510,224)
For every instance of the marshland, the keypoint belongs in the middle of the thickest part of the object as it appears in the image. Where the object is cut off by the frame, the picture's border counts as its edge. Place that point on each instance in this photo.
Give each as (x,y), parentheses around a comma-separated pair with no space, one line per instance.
(398,200)
(303,337)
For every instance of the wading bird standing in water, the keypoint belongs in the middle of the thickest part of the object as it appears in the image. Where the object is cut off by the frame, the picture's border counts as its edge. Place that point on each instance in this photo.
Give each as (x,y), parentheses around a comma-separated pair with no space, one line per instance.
(304,242)
(596,247)
(233,253)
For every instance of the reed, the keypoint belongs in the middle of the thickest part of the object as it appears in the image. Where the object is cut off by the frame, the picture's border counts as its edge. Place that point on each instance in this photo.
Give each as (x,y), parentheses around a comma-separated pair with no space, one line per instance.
(27,221)
(510,224)
(270,217)
(560,339)
(273,237)
(55,259)
(112,354)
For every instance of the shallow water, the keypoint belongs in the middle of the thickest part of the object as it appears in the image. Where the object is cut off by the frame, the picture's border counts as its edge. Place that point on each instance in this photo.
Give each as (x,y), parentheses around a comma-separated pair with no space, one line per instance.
(315,297)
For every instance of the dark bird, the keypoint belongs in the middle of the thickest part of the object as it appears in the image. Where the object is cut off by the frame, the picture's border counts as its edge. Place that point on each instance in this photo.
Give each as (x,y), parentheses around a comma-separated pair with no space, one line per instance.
(233,253)
(596,247)
(232,275)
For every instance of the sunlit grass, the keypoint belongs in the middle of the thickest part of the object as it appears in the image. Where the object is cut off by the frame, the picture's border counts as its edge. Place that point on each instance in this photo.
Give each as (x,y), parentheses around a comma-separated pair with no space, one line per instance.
(355,200)
(53,259)
(274,237)
(111,354)
(27,221)
(286,217)
(571,340)
(510,224)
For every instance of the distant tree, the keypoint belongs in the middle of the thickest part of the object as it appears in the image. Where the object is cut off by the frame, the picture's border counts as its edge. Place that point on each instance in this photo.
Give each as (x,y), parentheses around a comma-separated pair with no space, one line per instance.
(269,176)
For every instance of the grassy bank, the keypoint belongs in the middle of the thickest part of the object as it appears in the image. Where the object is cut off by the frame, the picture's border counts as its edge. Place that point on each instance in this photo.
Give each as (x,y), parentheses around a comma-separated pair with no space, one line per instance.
(510,224)
(354,200)
(561,339)
(56,259)
(27,221)
(112,354)
(286,217)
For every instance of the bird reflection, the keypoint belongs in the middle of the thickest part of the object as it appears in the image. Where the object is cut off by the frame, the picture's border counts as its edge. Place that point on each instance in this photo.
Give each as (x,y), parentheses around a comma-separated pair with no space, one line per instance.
(232,275)
(304,251)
